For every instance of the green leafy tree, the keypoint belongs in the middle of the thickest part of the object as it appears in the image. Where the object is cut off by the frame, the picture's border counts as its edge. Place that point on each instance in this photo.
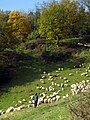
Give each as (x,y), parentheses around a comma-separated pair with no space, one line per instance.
(61,20)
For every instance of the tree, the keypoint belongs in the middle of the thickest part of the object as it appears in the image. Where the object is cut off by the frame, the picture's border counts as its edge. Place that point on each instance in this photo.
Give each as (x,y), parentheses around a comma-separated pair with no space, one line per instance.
(61,20)
(18,24)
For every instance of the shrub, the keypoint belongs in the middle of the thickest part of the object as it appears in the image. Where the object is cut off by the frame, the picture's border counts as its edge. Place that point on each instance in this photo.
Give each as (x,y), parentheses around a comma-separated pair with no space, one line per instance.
(86,38)
(54,53)
(80,110)
(70,41)
(33,35)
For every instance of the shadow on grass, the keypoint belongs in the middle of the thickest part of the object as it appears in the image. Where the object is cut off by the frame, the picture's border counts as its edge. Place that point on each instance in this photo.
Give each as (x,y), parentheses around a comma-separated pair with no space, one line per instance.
(29,70)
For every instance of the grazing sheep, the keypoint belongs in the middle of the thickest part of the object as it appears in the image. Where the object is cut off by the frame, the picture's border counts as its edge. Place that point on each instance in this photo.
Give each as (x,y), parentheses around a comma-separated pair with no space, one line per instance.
(38,88)
(65,78)
(50,77)
(10,109)
(61,77)
(49,100)
(44,72)
(1,112)
(43,77)
(79,87)
(58,85)
(23,100)
(53,83)
(29,102)
(58,91)
(84,74)
(32,97)
(59,69)
(64,97)
(70,74)
(62,84)
(67,95)
(49,74)
(66,85)
(43,82)
(43,88)
(45,100)
(57,97)
(20,102)
(62,89)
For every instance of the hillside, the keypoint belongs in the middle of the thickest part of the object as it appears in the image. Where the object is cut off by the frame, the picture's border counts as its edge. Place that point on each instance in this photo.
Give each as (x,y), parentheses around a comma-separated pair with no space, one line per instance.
(35,77)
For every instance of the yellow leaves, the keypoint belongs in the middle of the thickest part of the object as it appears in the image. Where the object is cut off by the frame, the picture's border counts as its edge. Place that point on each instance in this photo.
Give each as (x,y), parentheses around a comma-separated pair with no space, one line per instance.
(19,24)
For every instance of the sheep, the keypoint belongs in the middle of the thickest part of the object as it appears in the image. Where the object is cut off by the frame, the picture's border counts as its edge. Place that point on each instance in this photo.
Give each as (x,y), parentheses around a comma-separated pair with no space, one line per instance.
(32,97)
(57,75)
(87,81)
(62,89)
(61,77)
(22,107)
(45,100)
(65,78)
(1,112)
(43,88)
(57,97)
(43,77)
(84,74)
(10,109)
(50,77)
(20,102)
(23,100)
(62,84)
(67,95)
(49,100)
(59,69)
(64,97)
(43,82)
(53,83)
(70,74)
(38,88)
(46,89)
(29,105)
(58,91)
(79,87)
(62,69)
(58,85)
(29,102)
(44,72)
(55,93)
(49,74)
(53,99)
(17,109)
(66,85)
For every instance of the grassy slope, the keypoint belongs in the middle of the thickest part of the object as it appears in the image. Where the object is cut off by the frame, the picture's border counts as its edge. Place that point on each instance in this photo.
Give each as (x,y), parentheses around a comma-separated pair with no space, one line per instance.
(54,111)
(24,84)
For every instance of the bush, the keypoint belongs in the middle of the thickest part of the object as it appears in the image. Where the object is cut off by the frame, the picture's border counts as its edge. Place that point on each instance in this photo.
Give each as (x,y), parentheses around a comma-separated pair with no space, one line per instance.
(86,38)
(80,110)
(70,41)
(54,53)
(33,35)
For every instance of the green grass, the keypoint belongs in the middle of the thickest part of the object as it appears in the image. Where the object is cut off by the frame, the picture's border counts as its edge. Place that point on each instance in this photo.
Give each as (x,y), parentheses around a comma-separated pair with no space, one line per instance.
(23,85)
(54,111)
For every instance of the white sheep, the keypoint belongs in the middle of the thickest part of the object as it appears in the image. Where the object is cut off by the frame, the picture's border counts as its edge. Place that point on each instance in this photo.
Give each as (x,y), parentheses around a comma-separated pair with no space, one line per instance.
(10,109)
(57,97)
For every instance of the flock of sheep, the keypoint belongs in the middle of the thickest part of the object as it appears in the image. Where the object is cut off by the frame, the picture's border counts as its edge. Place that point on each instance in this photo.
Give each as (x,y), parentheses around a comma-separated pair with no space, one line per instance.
(78,87)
